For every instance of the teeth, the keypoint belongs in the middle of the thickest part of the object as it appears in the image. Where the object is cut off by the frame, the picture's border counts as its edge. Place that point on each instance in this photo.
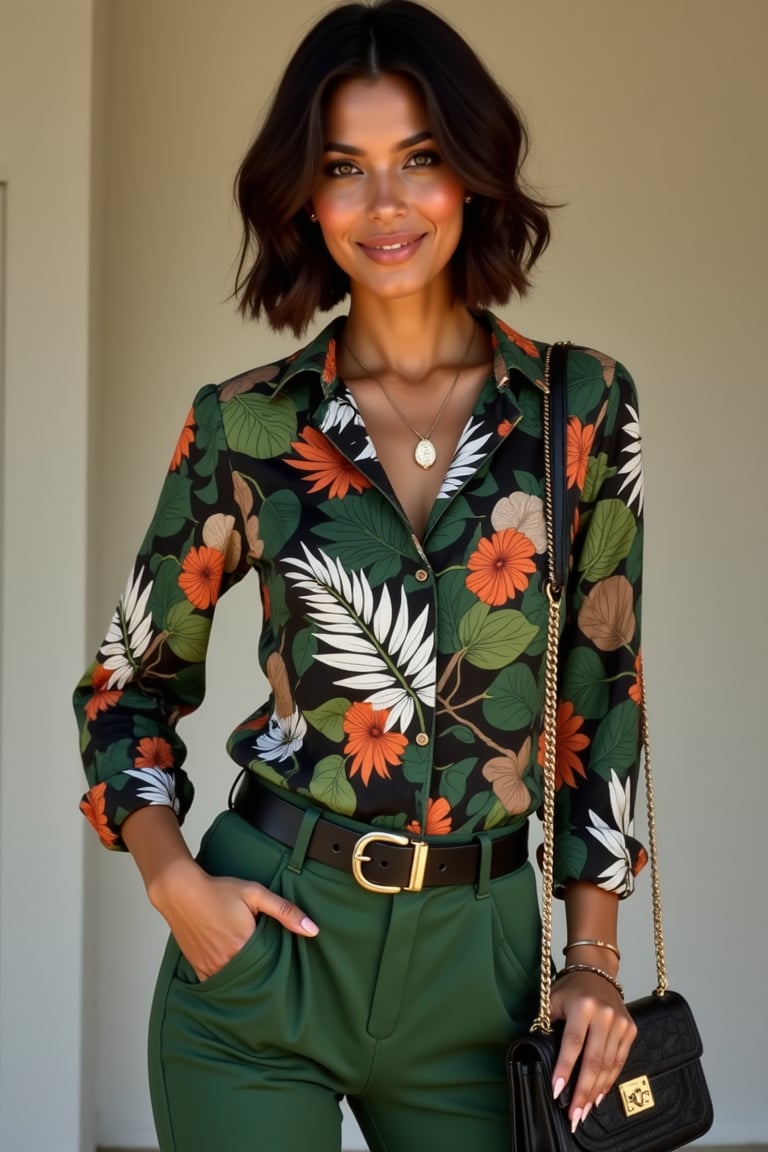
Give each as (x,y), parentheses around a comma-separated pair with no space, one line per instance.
(391,247)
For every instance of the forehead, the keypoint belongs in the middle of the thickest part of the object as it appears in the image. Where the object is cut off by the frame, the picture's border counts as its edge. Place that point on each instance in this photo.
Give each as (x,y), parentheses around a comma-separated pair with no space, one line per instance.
(389,107)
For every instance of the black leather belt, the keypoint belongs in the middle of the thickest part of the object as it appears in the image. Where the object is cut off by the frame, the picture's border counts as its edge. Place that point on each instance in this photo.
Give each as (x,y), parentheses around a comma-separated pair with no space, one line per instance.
(380,860)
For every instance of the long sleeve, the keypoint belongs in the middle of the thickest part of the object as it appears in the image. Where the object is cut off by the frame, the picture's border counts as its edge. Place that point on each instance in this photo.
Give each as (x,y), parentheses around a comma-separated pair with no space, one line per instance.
(598,715)
(150,669)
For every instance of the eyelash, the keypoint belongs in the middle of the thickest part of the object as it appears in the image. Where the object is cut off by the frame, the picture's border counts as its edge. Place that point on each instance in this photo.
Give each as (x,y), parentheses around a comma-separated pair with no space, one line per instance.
(333,168)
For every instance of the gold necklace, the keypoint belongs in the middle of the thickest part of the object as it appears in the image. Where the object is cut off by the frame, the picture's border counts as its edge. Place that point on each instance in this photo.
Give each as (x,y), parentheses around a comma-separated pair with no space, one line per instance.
(425,452)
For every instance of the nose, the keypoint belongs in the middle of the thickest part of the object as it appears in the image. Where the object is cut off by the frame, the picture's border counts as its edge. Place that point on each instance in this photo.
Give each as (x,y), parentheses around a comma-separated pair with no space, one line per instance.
(385,201)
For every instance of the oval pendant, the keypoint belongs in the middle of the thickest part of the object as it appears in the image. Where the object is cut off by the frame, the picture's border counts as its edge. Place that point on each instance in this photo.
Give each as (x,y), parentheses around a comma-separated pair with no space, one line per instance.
(425,454)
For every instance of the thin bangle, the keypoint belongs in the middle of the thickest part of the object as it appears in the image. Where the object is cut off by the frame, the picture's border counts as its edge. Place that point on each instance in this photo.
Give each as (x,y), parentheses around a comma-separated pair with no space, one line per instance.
(594,944)
(591,968)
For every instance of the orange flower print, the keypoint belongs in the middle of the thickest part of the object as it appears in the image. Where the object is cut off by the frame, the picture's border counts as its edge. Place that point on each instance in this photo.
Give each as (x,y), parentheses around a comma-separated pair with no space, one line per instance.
(153,752)
(92,807)
(329,368)
(636,691)
(201,574)
(438,818)
(527,345)
(326,465)
(102,697)
(266,603)
(579,443)
(499,567)
(184,442)
(640,862)
(505,427)
(569,743)
(373,748)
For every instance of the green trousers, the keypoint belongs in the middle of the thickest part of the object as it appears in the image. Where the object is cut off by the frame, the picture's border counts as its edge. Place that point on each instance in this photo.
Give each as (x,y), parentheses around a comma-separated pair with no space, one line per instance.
(404,1004)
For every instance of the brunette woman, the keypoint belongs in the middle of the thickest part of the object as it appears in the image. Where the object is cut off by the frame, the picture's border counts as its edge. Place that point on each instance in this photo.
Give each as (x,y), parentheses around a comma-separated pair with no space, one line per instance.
(362,922)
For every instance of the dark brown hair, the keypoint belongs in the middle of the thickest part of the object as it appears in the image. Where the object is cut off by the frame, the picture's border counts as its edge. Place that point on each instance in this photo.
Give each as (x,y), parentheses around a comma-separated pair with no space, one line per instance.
(285,268)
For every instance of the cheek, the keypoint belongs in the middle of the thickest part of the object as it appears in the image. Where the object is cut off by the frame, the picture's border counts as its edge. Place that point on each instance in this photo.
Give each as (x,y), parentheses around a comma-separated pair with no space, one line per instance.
(443,202)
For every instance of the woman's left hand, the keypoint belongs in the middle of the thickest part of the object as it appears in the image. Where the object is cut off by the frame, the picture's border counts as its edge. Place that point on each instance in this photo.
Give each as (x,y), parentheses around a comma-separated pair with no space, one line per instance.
(597,1027)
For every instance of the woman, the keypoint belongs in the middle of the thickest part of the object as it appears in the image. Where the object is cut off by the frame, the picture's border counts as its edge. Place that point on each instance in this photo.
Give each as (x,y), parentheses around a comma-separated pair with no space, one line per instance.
(362,920)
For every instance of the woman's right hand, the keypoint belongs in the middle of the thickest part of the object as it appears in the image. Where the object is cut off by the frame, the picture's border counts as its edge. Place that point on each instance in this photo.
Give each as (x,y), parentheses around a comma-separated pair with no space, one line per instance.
(211,917)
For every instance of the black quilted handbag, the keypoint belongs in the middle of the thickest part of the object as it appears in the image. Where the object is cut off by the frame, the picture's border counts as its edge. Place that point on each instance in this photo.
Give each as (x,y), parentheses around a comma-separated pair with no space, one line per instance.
(661,1100)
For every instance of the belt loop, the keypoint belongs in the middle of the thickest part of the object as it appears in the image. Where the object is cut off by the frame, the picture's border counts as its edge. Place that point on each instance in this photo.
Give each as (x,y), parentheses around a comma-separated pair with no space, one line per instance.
(483,885)
(233,790)
(303,837)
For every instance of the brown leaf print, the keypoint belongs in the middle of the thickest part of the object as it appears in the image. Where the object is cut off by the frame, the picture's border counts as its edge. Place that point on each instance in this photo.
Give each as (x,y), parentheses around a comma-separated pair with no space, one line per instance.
(607,616)
(219,532)
(504,774)
(277,674)
(245,382)
(243,494)
(255,545)
(607,363)
(524,513)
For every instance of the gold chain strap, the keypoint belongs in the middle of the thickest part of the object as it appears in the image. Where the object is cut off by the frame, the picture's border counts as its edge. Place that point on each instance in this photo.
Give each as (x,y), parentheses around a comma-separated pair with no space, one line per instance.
(543,1021)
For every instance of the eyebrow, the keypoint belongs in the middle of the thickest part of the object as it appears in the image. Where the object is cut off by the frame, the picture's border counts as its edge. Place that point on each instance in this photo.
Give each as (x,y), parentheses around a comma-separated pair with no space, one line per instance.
(350,150)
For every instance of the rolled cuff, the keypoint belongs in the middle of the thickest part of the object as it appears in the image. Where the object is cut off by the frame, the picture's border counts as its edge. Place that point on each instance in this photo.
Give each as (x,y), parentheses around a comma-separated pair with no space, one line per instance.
(108,804)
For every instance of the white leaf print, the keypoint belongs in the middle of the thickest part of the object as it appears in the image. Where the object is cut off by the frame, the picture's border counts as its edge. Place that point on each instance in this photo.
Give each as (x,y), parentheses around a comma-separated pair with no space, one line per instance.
(467,456)
(391,660)
(618,876)
(342,410)
(158,787)
(284,736)
(129,633)
(632,469)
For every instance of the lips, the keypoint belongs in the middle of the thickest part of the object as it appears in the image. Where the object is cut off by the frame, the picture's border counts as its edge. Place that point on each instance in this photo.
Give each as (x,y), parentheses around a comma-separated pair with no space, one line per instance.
(393,248)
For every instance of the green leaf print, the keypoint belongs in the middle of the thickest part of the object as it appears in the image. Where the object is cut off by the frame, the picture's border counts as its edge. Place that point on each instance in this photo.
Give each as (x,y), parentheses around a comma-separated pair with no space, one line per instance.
(329,786)
(586,386)
(364,527)
(598,470)
(453,781)
(634,565)
(279,519)
(454,600)
(529,484)
(585,683)
(570,856)
(612,530)
(614,747)
(535,607)
(513,699)
(494,639)
(304,649)
(174,508)
(259,426)
(187,632)
(113,760)
(451,524)
(165,590)
(329,718)
(497,815)
(530,405)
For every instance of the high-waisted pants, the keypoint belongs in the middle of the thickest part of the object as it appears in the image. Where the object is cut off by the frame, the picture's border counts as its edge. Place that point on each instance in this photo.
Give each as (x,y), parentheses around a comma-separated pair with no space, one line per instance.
(404,1004)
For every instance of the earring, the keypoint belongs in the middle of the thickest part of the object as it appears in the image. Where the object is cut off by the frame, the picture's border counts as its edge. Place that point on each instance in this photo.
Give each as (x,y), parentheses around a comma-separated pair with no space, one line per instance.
(467,199)
(313,217)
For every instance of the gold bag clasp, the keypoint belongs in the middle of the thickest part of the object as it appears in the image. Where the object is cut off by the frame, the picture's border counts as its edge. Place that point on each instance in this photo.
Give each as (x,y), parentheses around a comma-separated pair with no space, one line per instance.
(636,1096)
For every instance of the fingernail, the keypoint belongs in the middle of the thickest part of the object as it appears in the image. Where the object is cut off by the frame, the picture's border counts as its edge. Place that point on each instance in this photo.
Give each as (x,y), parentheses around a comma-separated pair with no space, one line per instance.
(559,1085)
(600,1099)
(586,1112)
(309,927)
(575,1120)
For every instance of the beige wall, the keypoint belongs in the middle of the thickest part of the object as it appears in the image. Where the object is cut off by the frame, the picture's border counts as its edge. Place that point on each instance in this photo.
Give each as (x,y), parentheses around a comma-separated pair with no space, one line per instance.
(45,104)
(648,120)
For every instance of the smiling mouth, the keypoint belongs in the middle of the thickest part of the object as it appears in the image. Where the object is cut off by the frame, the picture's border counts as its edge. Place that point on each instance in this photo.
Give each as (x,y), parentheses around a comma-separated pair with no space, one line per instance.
(393,245)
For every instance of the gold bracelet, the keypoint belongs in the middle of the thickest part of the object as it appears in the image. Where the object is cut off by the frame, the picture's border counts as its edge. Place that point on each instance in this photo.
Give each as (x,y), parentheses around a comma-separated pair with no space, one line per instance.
(591,968)
(594,944)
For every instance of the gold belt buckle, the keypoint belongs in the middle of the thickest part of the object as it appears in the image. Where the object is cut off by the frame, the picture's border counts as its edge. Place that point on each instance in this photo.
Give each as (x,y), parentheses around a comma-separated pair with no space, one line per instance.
(418,864)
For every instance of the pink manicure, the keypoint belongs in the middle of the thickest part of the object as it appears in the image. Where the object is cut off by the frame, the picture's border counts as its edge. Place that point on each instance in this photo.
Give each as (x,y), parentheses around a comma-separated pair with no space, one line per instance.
(575,1120)
(600,1099)
(559,1085)
(586,1112)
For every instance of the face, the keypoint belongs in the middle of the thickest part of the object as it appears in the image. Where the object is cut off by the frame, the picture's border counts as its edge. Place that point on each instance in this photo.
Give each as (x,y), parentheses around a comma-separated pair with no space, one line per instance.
(390,208)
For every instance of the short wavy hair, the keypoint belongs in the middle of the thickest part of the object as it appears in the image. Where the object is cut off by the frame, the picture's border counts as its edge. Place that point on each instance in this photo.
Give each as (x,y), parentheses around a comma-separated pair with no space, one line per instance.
(285,269)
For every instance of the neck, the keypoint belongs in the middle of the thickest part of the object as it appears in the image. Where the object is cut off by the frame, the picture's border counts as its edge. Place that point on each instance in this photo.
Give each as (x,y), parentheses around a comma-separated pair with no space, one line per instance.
(409,337)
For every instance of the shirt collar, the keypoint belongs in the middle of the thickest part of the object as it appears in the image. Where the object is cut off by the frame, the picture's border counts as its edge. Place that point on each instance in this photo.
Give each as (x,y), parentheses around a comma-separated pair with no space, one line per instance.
(512,353)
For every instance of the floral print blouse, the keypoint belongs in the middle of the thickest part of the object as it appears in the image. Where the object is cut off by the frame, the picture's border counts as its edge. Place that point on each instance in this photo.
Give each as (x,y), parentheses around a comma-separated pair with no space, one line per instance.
(406,674)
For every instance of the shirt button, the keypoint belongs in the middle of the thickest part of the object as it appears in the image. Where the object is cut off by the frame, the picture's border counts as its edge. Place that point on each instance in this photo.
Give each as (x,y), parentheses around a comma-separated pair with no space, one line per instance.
(422,739)
(422,575)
